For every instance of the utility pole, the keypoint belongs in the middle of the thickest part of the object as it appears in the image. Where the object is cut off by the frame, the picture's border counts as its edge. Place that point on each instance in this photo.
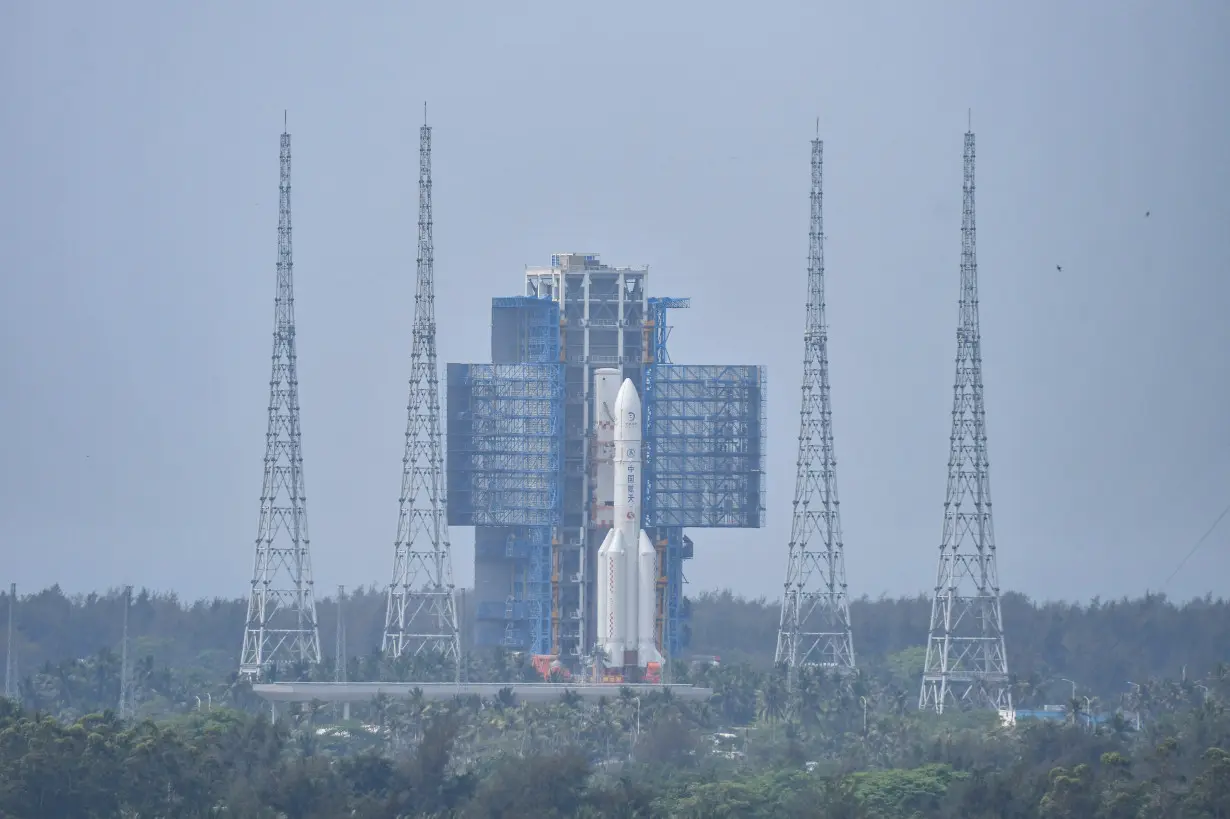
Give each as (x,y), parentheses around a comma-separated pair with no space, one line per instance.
(125,673)
(815,625)
(281,623)
(422,610)
(10,660)
(967,663)
(463,670)
(339,651)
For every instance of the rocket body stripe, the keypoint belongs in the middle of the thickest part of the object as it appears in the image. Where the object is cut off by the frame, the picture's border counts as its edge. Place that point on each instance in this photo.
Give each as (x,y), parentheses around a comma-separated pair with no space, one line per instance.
(617,640)
(603,590)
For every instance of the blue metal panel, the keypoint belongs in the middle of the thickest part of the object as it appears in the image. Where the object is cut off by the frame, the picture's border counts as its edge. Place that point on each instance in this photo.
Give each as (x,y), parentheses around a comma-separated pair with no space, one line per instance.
(510,609)
(525,330)
(658,305)
(505,444)
(678,546)
(505,459)
(704,446)
(512,548)
(678,615)
(515,639)
(528,604)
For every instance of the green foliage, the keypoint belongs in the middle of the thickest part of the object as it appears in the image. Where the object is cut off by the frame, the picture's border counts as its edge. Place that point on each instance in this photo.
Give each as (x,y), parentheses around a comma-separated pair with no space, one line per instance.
(822,746)
(68,647)
(467,758)
(898,792)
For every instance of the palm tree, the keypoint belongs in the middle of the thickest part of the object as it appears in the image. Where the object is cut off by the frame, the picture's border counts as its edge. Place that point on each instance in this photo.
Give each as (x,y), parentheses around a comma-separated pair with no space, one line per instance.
(771,703)
(1074,709)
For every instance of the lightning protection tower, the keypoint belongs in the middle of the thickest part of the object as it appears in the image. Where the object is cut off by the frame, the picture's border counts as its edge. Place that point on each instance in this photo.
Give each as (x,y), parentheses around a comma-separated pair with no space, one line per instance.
(966,662)
(422,613)
(815,625)
(281,625)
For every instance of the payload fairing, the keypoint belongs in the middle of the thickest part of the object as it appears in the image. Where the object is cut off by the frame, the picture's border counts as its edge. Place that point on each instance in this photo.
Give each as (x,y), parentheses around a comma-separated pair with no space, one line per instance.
(627,562)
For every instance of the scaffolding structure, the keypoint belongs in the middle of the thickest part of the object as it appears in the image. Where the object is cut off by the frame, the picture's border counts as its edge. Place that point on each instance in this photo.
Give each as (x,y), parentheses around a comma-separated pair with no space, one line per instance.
(537,522)
(603,315)
(505,465)
(673,546)
(704,446)
(525,329)
(657,329)
(704,464)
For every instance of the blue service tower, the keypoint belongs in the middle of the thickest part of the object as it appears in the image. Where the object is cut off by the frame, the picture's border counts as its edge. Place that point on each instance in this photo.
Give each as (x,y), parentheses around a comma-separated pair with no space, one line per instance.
(523,459)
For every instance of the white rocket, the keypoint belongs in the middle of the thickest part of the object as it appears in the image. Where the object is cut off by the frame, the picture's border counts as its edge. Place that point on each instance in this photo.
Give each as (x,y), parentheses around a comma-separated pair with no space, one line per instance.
(627,562)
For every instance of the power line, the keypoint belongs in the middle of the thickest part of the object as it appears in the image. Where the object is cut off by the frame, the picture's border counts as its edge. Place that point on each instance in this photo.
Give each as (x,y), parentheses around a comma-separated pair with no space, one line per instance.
(1199,543)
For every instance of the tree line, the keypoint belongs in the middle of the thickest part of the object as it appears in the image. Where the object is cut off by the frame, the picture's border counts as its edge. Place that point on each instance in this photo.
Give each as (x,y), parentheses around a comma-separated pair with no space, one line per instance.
(810,750)
(822,744)
(1102,645)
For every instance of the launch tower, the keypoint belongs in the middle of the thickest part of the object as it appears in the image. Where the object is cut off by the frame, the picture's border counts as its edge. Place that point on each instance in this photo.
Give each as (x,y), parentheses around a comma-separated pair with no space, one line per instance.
(523,457)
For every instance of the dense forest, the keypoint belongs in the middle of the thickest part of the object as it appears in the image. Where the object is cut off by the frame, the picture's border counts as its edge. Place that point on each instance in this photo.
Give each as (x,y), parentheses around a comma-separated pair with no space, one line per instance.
(825,746)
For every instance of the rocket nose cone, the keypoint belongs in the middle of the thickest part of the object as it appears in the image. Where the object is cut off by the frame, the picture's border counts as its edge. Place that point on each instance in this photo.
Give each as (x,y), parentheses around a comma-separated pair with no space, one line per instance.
(644,545)
(627,398)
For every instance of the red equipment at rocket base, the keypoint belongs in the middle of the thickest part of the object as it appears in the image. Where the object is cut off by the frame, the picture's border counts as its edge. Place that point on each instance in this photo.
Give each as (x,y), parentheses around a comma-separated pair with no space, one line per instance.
(627,562)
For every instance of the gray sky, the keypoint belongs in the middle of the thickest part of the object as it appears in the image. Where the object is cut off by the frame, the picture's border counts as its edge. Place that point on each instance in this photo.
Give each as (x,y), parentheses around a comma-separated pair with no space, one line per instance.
(138,207)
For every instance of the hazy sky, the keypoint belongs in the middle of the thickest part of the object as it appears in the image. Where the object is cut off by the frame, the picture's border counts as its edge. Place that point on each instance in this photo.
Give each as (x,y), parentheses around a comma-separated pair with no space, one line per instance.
(138,211)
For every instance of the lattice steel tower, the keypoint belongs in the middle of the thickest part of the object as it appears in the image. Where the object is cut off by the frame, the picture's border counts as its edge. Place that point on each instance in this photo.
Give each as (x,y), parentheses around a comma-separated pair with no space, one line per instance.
(281,625)
(966,662)
(422,614)
(815,626)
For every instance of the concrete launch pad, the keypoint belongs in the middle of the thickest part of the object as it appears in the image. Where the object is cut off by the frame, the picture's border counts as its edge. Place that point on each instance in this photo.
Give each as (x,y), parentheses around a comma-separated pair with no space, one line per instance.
(354,692)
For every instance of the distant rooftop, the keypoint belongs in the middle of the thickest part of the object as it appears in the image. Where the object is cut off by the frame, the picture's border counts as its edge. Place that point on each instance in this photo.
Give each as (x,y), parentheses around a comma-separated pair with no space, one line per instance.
(577,263)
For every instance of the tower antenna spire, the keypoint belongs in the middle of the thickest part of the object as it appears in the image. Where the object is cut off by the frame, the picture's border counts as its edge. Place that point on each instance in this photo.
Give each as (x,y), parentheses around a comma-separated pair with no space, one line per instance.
(815,624)
(281,623)
(967,664)
(422,611)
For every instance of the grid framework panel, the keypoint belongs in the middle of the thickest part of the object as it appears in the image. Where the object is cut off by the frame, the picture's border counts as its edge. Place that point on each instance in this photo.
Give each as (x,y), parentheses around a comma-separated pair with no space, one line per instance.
(704,446)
